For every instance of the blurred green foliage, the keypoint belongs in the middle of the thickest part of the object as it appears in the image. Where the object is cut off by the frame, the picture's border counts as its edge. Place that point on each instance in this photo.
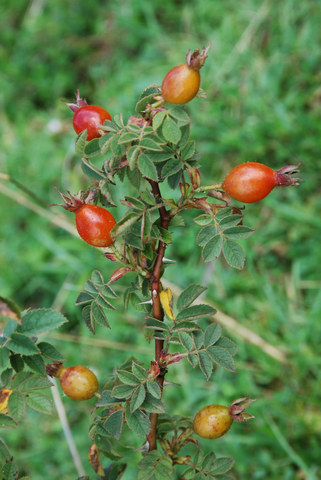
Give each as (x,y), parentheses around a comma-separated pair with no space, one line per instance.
(263,83)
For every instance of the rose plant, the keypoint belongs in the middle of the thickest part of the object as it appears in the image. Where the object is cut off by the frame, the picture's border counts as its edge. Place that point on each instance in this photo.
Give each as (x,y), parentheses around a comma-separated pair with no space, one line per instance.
(151,148)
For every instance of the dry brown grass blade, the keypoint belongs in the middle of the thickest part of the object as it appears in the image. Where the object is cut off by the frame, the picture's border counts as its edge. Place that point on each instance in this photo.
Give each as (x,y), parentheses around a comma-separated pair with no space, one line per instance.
(60,220)
(99,343)
(61,411)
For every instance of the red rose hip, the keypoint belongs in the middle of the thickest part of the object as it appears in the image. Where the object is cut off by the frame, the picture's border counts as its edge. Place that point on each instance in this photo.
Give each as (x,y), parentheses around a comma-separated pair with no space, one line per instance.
(250,182)
(90,117)
(93,223)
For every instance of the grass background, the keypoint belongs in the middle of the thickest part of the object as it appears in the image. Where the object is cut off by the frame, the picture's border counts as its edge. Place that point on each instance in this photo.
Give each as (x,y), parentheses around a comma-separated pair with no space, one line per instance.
(263,82)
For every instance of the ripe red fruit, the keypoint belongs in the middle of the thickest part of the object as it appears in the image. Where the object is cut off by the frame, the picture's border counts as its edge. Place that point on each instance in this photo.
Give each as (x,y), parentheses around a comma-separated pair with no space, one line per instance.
(90,117)
(93,223)
(251,181)
(214,421)
(181,83)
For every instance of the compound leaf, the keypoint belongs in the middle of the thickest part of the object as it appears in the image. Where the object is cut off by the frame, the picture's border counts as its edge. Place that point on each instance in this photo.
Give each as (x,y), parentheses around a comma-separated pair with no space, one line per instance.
(41,320)
(195,311)
(234,254)
(22,344)
(212,334)
(222,465)
(16,405)
(154,388)
(222,357)
(205,363)
(213,248)
(138,398)
(188,296)
(147,168)
(39,402)
(114,424)
(138,422)
(171,130)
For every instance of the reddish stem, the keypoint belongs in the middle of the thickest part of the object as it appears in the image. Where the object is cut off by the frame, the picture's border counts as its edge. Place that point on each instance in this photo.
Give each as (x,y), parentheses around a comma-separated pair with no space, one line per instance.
(158,312)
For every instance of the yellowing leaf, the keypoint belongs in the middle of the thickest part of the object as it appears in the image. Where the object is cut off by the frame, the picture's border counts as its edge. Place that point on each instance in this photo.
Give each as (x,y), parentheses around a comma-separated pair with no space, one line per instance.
(166,298)
(94,459)
(9,309)
(4,398)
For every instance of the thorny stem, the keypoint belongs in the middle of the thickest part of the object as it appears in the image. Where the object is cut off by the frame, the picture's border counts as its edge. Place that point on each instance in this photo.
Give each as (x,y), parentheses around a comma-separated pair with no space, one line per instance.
(158,312)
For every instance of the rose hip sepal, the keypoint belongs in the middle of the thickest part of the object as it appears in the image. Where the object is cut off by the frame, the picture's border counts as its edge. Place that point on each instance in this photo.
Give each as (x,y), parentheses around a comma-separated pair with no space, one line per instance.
(78,383)
(154,370)
(111,256)
(238,407)
(181,83)
(250,182)
(283,178)
(214,421)
(80,102)
(93,223)
(195,177)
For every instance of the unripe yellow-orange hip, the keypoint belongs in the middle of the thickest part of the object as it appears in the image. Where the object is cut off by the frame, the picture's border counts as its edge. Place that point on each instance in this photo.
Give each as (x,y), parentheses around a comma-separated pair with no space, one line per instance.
(78,383)
(212,421)
(180,84)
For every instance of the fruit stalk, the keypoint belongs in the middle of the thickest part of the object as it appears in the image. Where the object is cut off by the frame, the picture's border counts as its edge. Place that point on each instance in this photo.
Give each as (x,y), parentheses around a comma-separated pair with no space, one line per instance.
(158,311)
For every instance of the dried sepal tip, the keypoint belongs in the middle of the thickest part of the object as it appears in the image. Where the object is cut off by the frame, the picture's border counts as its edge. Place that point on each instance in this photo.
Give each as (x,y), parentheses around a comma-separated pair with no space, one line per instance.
(80,102)
(195,59)
(238,407)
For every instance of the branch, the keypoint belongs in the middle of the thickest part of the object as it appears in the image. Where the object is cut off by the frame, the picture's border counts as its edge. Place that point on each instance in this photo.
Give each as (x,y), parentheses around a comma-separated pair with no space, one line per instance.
(158,312)
(228,322)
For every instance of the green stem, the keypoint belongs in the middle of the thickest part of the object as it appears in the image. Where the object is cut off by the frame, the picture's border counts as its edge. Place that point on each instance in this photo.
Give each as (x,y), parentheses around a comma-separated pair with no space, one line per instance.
(159,101)
(205,188)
